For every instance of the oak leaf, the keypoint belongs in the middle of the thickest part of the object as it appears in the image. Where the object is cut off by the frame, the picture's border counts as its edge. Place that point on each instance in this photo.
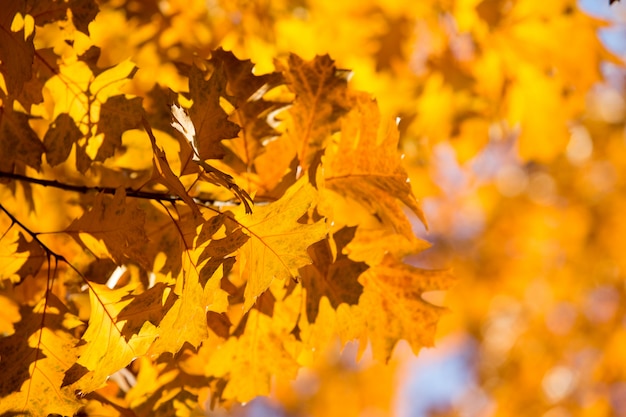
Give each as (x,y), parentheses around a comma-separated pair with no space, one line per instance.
(115,223)
(162,173)
(393,290)
(108,347)
(278,244)
(18,141)
(245,91)
(332,274)
(253,360)
(209,118)
(60,138)
(117,115)
(36,256)
(34,361)
(322,97)
(16,46)
(186,321)
(365,166)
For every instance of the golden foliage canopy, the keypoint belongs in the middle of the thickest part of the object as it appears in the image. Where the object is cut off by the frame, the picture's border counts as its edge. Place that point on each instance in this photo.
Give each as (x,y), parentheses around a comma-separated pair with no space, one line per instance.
(198,199)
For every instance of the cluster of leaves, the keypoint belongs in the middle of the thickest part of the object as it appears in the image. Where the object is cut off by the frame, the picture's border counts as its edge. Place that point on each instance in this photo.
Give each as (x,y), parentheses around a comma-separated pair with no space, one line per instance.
(526,179)
(198,233)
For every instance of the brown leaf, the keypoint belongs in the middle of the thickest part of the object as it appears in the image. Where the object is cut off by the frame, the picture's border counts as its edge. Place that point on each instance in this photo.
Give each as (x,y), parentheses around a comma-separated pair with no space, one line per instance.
(209,118)
(117,115)
(245,91)
(332,274)
(117,223)
(219,323)
(83,13)
(36,256)
(392,43)
(60,138)
(16,49)
(18,141)
(48,11)
(163,174)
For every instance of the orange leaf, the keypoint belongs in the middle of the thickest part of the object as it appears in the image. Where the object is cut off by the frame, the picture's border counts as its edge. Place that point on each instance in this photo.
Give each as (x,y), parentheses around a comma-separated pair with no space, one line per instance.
(321,99)
(392,300)
(368,169)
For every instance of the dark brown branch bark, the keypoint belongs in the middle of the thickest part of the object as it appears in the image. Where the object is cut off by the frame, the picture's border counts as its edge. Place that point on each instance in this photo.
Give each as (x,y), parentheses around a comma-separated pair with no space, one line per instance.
(130,192)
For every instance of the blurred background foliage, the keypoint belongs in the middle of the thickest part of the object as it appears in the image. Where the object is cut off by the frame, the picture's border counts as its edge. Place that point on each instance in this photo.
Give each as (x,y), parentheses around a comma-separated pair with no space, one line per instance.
(512,119)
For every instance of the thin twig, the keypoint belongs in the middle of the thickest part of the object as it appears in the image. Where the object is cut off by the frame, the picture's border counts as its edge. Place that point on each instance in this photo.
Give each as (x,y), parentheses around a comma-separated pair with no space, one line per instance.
(130,192)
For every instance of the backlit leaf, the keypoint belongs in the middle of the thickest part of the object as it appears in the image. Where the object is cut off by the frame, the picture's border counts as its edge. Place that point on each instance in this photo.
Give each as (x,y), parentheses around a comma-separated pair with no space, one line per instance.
(321,99)
(114,222)
(209,118)
(108,348)
(365,166)
(35,360)
(393,291)
(277,244)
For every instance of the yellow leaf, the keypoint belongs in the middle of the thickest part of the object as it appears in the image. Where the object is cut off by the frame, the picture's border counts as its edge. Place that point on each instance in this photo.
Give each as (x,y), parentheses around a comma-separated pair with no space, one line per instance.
(35,360)
(393,305)
(108,83)
(278,244)
(253,360)
(185,321)
(113,339)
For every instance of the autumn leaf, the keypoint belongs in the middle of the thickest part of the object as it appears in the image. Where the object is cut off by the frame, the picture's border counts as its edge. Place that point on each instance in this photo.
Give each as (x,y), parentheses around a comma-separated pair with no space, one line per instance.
(18,141)
(83,12)
(393,291)
(113,227)
(185,321)
(332,274)
(60,138)
(162,172)
(259,355)
(321,99)
(35,359)
(209,118)
(108,347)
(365,166)
(277,244)
(36,256)
(16,46)
(245,90)
(117,115)
(157,381)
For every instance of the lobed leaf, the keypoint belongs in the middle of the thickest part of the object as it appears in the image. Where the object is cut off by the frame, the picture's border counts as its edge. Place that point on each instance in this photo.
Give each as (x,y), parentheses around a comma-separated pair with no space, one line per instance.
(393,292)
(117,223)
(277,244)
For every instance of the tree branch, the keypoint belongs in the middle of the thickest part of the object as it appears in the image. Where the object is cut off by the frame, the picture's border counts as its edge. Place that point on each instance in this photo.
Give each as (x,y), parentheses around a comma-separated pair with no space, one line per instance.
(130,192)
